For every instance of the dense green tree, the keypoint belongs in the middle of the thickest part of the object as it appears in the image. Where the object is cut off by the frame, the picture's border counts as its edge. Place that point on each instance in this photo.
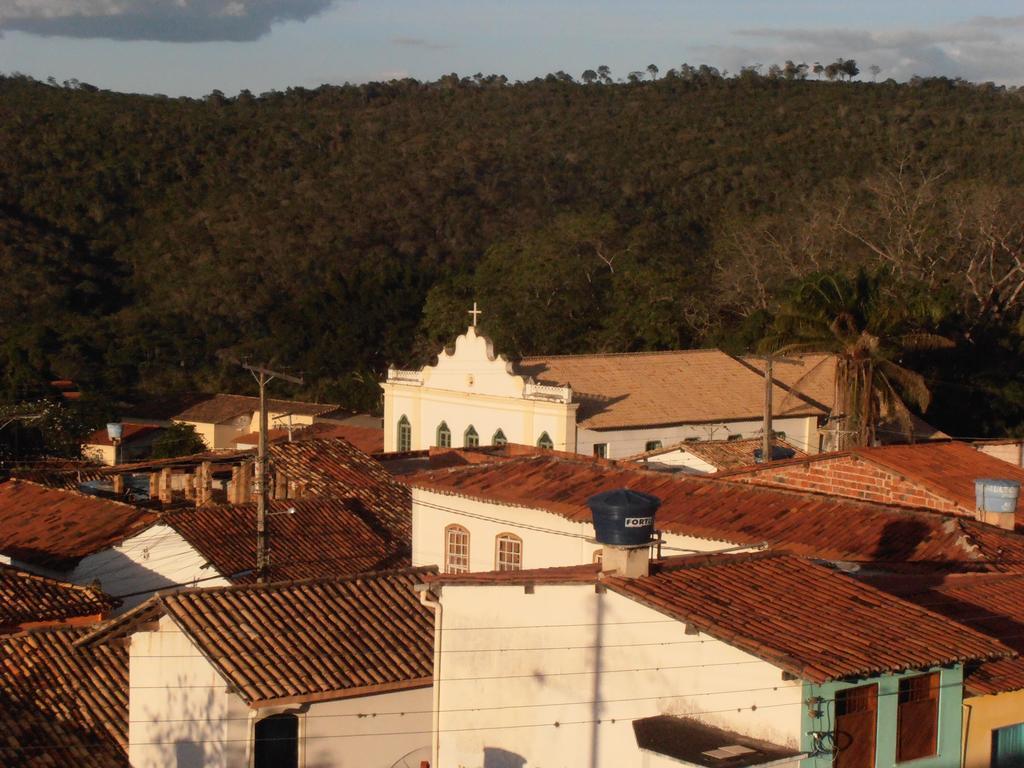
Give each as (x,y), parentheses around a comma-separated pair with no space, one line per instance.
(178,440)
(340,229)
(854,319)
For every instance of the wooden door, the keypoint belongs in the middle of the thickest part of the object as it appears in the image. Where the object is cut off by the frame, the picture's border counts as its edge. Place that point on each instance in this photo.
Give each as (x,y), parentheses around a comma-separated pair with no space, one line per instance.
(856,721)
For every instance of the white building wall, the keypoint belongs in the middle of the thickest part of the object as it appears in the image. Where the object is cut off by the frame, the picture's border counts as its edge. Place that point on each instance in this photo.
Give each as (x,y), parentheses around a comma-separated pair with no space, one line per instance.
(181,714)
(573,657)
(156,558)
(683,459)
(801,432)
(178,706)
(368,731)
(548,539)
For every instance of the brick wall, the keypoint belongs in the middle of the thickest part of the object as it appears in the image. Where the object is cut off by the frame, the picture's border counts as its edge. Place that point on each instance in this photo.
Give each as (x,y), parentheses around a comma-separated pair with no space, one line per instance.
(853,478)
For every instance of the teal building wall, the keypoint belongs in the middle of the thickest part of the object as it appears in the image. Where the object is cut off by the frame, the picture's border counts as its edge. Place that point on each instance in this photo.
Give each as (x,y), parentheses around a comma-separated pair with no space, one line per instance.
(823,719)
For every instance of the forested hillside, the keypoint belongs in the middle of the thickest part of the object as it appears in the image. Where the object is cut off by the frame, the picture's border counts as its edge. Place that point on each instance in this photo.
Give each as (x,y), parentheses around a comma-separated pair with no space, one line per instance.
(339,229)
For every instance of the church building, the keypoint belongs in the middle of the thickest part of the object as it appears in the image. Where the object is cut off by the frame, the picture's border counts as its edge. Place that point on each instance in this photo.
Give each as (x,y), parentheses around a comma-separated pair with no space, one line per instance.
(606,405)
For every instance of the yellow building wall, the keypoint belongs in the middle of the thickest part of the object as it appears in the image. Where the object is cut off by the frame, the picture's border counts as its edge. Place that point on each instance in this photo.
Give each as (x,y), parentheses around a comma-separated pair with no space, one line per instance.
(984,714)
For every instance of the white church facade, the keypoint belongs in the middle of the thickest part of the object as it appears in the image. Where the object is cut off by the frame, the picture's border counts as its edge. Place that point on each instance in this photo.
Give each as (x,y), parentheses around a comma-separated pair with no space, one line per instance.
(607,405)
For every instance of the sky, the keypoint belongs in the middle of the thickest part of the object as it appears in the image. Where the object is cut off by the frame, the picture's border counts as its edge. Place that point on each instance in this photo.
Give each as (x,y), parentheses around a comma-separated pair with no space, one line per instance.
(191,47)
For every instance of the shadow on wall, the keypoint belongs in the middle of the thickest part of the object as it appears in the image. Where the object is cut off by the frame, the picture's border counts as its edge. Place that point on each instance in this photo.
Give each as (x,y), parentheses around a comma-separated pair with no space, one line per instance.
(188,754)
(502,758)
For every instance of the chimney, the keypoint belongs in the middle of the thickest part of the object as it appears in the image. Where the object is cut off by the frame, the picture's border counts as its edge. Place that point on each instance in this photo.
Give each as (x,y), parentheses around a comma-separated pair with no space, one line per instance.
(996,501)
(624,526)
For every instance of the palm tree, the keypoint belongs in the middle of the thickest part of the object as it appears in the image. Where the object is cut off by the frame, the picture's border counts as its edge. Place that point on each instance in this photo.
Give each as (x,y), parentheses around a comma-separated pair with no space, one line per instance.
(867,332)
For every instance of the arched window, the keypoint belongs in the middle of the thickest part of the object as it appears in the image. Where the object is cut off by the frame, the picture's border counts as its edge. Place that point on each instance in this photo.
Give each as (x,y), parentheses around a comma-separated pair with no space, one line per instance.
(444,436)
(456,549)
(544,441)
(276,742)
(508,552)
(499,438)
(404,434)
(470,437)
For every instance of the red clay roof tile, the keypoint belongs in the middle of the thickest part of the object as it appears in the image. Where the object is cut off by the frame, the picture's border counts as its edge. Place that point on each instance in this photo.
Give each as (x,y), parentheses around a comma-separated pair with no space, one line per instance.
(56,527)
(363,634)
(325,536)
(642,389)
(61,705)
(805,618)
(829,527)
(27,598)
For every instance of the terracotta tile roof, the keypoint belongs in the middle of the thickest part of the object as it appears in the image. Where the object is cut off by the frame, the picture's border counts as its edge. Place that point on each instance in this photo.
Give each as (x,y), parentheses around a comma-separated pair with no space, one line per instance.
(310,640)
(805,618)
(221,408)
(325,536)
(336,468)
(655,388)
(129,432)
(722,454)
(27,598)
(992,603)
(829,527)
(814,378)
(947,469)
(60,475)
(55,528)
(60,705)
(366,439)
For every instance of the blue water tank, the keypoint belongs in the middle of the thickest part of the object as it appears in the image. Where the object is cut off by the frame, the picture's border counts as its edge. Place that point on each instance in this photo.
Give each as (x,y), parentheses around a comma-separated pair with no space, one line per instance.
(623,517)
(992,495)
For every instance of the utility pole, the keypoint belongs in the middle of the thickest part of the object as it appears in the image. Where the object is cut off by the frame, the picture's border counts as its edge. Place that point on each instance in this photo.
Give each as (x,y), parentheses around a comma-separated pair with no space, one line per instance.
(769,364)
(263,377)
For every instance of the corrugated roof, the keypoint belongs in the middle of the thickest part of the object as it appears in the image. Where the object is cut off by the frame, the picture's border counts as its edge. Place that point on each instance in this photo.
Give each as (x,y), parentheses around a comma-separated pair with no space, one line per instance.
(829,527)
(325,536)
(60,705)
(336,468)
(992,603)
(804,618)
(721,454)
(311,640)
(222,407)
(55,527)
(656,388)
(27,598)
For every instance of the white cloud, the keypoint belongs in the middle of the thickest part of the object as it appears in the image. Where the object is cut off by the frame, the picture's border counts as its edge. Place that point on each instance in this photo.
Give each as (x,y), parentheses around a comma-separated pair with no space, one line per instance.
(168,20)
(980,49)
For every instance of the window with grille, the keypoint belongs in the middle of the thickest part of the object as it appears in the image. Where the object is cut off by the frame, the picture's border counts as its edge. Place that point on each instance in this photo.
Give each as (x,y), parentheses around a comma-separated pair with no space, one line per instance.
(917,724)
(404,434)
(652,445)
(508,552)
(601,450)
(470,438)
(276,742)
(456,549)
(499,438)
(544,441)
(444,436)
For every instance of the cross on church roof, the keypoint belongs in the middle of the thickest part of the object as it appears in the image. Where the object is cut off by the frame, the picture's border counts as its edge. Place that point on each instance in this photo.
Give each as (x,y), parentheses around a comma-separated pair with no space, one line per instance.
(474,312)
